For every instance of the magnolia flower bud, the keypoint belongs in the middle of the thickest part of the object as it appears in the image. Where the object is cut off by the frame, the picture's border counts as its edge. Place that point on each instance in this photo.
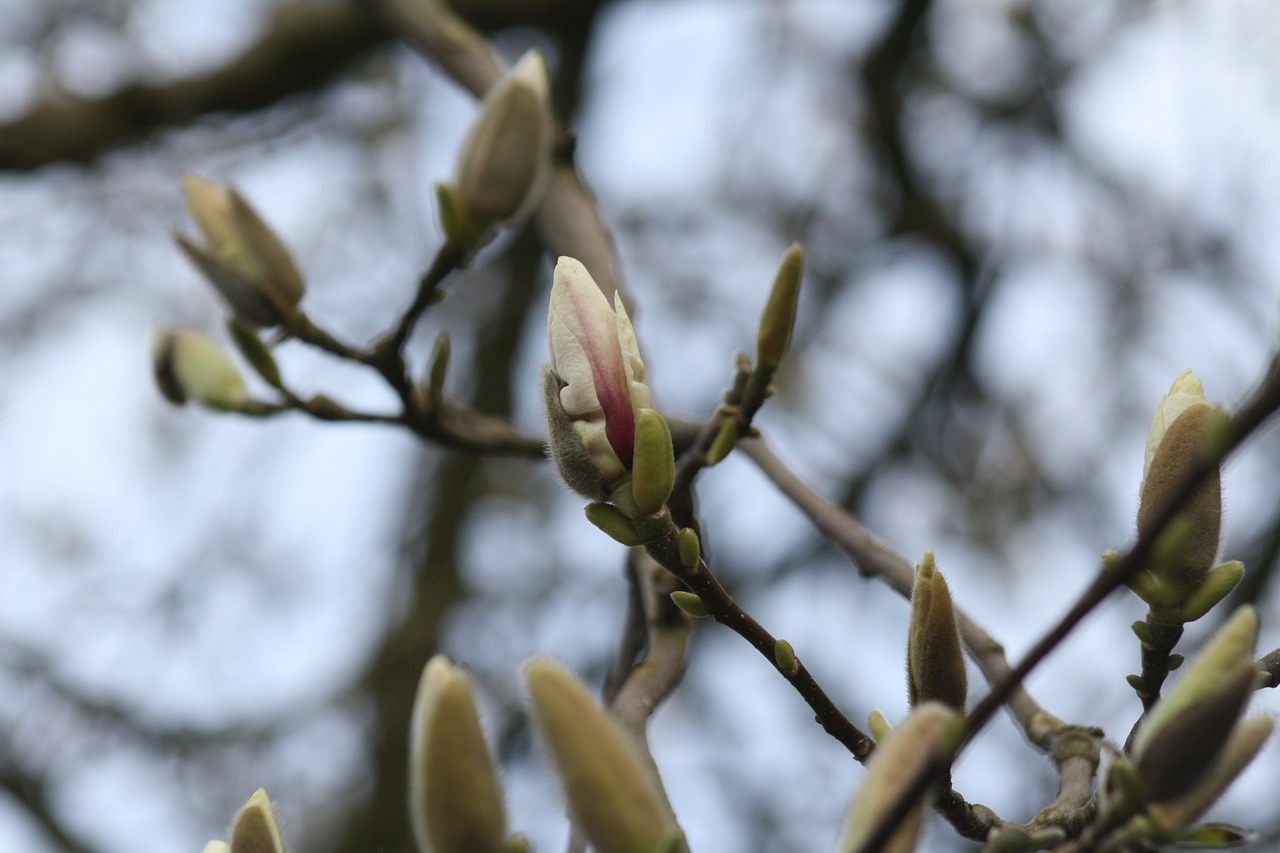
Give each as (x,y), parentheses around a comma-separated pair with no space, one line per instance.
(935,661)
(1177,437)
(928,733)
(217,847)
(455,798)
(256,830)
(612,796)
(507,152)
(244,260)
(779,318)
(1181,742)
(189,365)
(594,387)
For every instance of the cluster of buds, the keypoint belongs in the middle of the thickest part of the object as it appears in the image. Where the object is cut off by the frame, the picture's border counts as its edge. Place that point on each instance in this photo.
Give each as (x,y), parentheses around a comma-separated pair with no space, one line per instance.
(1194,742)
(605,439)
(935,660)
(244,260)
(506,156)
(254,830)
(1180,583)
(456,797)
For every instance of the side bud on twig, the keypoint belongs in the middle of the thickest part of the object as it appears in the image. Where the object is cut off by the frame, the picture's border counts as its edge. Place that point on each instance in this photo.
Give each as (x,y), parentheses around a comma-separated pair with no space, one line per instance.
(611,795)
(1194,733)
(779,318)
(935,660)
(930,732)
(455,798)
(244,259)
(596,397)
(256,829)
(1180,580)
(507,152)
(191,366)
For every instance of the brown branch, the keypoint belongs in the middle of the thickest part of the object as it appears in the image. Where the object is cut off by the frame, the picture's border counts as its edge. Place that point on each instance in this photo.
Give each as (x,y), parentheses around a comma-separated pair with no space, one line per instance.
(305,47)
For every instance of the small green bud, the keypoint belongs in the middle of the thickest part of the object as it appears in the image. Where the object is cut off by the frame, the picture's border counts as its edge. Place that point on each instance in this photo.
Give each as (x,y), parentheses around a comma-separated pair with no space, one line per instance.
(255,351)
(1143,632)
(724,442)
(690,603)
(438,366)
(779,318)
(879,726)
(935,659)
(690,548)
(785,657)
(614,522)
(455,798)
(256,829)
(653,470)
(611,794)
(1217,583)
(1175,661)
(459,228)
(1137,682)
(1214,836)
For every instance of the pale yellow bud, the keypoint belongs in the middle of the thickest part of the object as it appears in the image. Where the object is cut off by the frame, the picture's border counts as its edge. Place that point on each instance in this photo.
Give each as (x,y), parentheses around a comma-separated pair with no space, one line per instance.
(256,829)
(189,365)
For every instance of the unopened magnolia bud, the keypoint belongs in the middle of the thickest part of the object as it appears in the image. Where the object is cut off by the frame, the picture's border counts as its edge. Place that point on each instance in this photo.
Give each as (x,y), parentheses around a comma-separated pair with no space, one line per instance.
(611,795)
(926,735)
(1184,554)
(690,548)
(455,799)
(507,152)
(217,847)
(690,603)
(879,726)
(935,660)
(654,466)
(1246,741)
(191,366)
(244,260)
(779,316)
(256,830)
(614,522)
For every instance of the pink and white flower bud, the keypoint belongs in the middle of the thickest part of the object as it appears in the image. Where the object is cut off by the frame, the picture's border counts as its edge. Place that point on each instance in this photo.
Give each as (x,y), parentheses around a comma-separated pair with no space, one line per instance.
(596,381)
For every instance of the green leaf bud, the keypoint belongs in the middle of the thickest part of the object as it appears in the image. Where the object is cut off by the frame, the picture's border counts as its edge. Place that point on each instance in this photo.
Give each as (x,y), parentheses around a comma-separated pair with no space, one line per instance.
(935,659)
(690,603)
(779,318)
(690,548)
(785,657)
(438,366)
(879,726)
(455,798)
(1217,583)
(724,442)
(611,794)
(654,467)
(1143,632)
(614,522)
(458,226)
(256,829)
(255,351)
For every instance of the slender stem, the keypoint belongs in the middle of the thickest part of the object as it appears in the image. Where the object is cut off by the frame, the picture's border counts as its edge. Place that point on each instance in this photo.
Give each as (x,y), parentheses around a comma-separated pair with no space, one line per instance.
(449,257)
